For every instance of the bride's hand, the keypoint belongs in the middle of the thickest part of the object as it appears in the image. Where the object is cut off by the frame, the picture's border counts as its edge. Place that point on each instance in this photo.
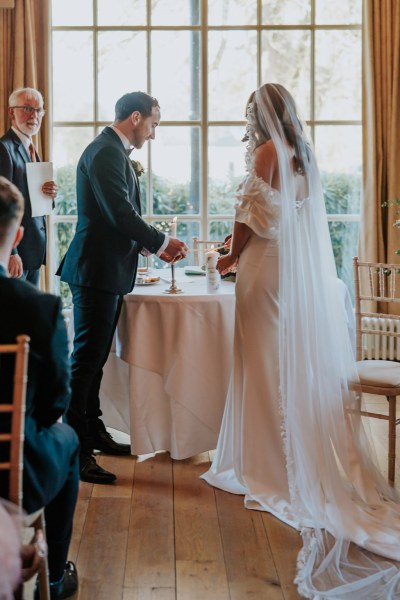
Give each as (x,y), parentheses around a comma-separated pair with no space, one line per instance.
(225,263)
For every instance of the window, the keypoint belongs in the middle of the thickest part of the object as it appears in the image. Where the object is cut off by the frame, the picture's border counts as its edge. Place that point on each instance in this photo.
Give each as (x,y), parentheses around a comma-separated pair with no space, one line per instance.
(201,59)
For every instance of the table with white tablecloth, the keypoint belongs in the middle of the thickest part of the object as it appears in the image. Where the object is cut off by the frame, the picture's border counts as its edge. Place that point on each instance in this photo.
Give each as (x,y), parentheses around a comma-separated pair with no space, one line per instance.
(166,380)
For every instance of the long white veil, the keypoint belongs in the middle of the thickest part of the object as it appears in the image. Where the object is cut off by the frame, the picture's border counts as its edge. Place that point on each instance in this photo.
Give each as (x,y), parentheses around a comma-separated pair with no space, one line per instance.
(335,486)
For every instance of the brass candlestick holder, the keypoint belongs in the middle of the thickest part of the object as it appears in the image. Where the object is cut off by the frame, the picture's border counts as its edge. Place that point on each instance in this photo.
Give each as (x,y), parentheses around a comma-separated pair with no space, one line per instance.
(173,289)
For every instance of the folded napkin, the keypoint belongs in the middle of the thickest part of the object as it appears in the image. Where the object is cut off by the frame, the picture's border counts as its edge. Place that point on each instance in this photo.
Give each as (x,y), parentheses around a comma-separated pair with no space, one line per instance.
(194,270)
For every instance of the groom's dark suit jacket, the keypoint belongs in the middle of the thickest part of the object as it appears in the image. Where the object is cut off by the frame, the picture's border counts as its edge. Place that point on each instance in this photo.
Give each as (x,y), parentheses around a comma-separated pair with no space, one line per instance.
(13,159)
(110,231)
(48,445)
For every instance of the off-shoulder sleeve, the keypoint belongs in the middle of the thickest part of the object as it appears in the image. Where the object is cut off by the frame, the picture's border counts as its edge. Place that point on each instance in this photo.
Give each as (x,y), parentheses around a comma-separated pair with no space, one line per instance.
(258,206)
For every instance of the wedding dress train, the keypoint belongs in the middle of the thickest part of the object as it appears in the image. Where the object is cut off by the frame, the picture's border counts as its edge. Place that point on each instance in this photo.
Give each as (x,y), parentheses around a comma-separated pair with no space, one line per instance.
(278,444)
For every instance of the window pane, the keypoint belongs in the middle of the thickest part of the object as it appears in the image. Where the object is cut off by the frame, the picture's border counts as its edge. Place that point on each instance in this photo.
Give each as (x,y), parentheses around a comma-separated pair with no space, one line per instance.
(176,74)
(226,167)
(120,53)
(278,49)
(289,12)
(72,76)
(327,11)
(185,231)
(232,12)
(178,12)
(64,234)
(121,12)
(73,12)
(68,145)
(176,170)
(220,229)
(339,155)
(232,73)
(338,74)
(344,237)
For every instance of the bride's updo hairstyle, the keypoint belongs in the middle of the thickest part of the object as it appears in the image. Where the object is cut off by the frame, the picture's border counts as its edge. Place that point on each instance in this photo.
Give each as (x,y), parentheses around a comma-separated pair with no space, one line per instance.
(273,110)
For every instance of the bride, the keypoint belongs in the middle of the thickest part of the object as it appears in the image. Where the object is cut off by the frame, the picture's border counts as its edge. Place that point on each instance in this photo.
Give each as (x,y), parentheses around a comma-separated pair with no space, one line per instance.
(291,439)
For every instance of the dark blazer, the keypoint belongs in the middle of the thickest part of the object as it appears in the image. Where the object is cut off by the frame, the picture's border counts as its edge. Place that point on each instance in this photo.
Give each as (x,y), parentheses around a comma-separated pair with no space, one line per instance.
(110,231)
(13,158)
(48,444)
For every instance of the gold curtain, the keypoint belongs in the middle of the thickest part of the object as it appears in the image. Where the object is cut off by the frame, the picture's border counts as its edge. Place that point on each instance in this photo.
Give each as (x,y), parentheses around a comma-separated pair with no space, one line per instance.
(24,46)
(381,131)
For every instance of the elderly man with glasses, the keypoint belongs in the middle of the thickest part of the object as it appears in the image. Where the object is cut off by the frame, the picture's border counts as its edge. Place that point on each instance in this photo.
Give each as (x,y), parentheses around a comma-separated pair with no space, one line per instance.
(25,106)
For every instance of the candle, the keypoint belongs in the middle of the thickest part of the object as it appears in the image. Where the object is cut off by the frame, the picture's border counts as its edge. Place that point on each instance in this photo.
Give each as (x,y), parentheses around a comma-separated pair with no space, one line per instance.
(213,278)
(212,258)
(173,227)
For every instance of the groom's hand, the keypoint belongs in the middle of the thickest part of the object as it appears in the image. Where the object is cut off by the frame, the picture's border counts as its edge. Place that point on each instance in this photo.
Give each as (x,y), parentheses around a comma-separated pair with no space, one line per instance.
(175,250)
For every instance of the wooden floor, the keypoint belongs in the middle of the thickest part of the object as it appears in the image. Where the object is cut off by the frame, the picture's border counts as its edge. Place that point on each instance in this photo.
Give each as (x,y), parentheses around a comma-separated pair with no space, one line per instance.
(161,533)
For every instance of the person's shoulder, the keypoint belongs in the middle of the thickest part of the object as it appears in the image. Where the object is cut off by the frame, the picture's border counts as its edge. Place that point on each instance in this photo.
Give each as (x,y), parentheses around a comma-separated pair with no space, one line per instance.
(6,141)
(265,160)
(30,295)
(8,137)
(266,151)
(106,144)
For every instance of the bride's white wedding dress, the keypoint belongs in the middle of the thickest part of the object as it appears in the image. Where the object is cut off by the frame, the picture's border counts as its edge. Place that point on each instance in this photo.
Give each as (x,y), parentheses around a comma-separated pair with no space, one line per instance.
(281,442)
(250,457)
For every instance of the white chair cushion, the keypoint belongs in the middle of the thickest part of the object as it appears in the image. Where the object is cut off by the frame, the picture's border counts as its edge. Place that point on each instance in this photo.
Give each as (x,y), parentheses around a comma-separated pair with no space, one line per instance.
(381,373)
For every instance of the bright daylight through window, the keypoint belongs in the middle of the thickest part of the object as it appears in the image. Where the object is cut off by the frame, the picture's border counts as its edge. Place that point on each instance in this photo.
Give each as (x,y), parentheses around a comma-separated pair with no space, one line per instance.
(201,59)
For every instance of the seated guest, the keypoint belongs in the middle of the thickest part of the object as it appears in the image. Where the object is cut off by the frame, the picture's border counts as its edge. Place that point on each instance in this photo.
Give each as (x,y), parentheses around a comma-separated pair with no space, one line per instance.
(19,562)
(10,551)
(51,449)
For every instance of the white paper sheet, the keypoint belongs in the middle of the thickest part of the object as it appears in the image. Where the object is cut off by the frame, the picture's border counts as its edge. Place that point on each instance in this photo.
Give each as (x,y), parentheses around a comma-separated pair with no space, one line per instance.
(37,173)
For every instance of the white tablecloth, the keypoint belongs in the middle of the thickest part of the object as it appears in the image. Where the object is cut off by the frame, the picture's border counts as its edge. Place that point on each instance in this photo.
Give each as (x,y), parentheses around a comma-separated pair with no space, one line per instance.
(166,381)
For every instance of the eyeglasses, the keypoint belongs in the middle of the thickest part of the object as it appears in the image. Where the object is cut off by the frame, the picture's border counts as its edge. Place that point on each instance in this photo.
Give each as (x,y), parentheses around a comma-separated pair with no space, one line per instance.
(28,110)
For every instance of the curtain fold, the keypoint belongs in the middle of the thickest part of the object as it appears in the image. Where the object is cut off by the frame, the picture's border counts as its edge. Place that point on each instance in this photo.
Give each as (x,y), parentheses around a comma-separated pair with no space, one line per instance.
(24,46)
(381,130)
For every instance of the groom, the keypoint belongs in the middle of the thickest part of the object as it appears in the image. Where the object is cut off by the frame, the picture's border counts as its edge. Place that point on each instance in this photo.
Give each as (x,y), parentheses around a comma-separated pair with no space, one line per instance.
(100,265)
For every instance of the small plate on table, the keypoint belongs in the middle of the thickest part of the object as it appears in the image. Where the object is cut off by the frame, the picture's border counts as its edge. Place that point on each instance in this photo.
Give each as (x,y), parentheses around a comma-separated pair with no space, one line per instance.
(146,280)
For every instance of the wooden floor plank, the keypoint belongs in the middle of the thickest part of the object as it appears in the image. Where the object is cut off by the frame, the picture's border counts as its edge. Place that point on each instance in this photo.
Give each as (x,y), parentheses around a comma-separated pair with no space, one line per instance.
(151,554)
(149,594)
(200,568)
(197,534)
(285,544)
(84,498)
(102,552)
(124,468)
(201,580)
(249,562)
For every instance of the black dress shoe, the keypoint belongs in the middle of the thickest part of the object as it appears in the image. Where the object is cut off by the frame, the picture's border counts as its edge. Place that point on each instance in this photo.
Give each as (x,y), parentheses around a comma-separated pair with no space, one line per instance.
(66,588)
(91,472)
(103,441)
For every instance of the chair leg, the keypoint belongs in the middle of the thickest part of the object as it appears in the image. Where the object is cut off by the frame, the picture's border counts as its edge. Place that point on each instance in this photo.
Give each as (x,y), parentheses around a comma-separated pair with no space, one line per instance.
(392,438)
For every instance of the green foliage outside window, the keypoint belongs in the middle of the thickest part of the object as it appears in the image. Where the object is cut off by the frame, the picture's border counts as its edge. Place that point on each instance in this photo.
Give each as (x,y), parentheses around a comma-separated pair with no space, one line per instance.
(341,192)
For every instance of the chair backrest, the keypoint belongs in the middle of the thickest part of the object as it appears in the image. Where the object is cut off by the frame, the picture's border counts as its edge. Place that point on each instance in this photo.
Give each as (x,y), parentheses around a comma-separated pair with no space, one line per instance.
(376,284)
(12,414)
(200,247)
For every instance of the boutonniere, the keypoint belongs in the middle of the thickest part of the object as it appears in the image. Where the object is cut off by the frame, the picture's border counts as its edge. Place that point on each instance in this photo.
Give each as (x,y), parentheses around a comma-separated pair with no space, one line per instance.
(137,167)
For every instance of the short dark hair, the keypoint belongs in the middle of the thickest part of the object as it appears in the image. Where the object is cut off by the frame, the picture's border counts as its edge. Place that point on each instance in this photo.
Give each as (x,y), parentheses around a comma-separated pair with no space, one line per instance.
(11,205)
(133,101)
